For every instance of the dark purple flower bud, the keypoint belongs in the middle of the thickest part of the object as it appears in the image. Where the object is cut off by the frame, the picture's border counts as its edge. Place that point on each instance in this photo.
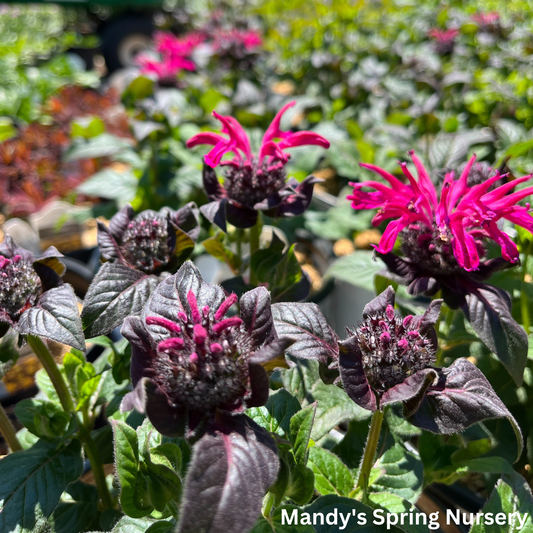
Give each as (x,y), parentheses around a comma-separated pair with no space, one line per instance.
(195,356)
(20,286)
(151,241)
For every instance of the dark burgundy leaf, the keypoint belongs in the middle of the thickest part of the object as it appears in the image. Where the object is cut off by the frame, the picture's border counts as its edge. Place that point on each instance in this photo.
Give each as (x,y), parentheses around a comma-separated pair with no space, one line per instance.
(187,219)
(256,314)
(215,212)
(297,203)
(109,249)
(230,472)
(272,350)
(379,304)
(212,186)
(55,316)
(353,375)
(170,296)
(143,349)
(9,248)
(315,339)
(488,309)
(259,385)
(413,386)
(116,292)
(462,397)
(120,221)
(240,217)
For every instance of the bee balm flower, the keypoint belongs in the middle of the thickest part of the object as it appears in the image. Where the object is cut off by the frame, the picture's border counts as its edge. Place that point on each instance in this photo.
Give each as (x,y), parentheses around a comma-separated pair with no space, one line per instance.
(254,182)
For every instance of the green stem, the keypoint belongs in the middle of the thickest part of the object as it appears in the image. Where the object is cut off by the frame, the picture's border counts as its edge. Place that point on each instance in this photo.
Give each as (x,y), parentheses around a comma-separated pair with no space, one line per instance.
(524,303)
(267,507)
(370,452)
(91,450)
(93,454)
(45,357)
(8,432)
(255,231)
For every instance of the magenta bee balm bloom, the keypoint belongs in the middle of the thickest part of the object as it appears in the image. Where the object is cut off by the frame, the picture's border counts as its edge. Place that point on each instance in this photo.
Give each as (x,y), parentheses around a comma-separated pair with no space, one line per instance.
(450,228)
(443,240)
(254,182)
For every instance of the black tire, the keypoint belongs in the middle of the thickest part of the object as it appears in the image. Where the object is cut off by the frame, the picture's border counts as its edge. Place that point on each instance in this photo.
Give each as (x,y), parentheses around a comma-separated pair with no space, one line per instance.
(123,37)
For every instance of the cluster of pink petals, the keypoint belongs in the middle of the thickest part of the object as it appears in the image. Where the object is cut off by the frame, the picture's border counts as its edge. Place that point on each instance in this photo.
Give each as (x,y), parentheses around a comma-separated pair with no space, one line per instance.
(249,39)
(486,19)
(238,143)
(443,36)
(465,213)
(175,55)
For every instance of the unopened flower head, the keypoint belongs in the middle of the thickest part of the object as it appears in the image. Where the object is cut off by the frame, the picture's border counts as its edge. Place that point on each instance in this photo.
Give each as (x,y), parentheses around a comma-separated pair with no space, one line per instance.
(191,358)
(145,242)
(455,223)
(392,348)
(20,286)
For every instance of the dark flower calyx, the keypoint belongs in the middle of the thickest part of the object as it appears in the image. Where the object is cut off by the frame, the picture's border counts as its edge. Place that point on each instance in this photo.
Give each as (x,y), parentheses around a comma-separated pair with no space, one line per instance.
(392,349)
(203,364)
(145,242)
(431,249)
(250,182)
(20,286)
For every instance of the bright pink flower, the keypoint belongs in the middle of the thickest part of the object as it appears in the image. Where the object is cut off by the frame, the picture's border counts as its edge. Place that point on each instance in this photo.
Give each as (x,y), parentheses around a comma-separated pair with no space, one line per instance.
(271,151)
(486,19)
(443,36)
(249,39)
(462,214)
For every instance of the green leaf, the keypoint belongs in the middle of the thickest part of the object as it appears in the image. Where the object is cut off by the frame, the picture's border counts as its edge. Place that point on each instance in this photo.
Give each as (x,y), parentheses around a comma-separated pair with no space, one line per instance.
(395,505)
(331,475)
(333,407)
(104,145)
(300,432)
(43,418)
(403,474)
(133,490)
(87,127)
(265,260)
(358,269)
(112,185)
(215,246)
(287,275)
(33,481)
(301,485)
(143,525)
(79,513)
(276,414)
(512,494)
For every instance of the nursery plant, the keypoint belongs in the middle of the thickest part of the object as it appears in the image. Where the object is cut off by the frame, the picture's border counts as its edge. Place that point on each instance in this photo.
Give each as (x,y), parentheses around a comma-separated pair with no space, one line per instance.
(175,399)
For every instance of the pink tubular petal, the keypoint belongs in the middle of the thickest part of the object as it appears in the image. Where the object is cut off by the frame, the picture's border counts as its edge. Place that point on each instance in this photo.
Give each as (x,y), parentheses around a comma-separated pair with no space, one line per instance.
(395,182)
(273,131)
(461,186)
(509,249)
(386,243)
(464,246)
(193,304)
(272,149)
(424,180)
(217,153)
(521,218)
(502,190)
(303,138)
(226,323)
(205,137)
(171,344)
(225,306)
(511,199)
(164,323)
(236,132)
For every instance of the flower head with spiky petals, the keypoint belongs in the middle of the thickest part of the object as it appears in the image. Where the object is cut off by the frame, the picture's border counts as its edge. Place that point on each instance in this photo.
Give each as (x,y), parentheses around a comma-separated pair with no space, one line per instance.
(254,182)
(453,226)
(191,360)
